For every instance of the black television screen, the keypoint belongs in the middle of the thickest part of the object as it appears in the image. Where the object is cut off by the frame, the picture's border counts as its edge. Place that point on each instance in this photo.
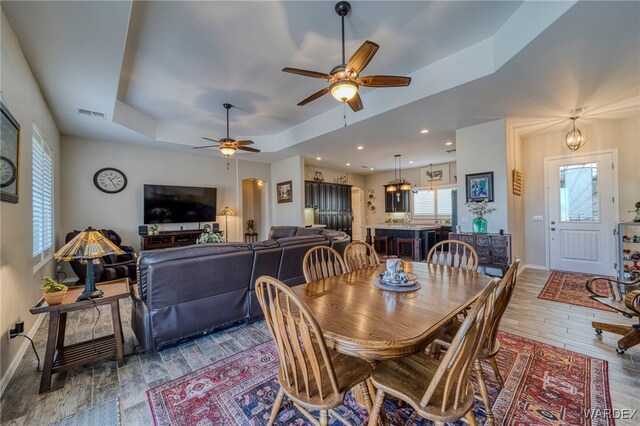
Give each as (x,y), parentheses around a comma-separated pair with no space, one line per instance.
(179,204)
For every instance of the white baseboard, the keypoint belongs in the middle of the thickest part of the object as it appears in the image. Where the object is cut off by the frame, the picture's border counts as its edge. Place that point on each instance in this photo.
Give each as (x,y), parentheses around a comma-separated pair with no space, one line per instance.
(531,266)
(21,351)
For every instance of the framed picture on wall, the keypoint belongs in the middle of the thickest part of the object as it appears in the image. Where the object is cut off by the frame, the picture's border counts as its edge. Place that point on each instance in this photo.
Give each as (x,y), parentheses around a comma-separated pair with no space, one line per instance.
(9,156)
(479,186)
(285,192)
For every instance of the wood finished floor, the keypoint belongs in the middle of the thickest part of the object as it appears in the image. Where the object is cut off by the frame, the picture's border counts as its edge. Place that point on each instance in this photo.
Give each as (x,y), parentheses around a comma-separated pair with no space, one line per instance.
(549,322)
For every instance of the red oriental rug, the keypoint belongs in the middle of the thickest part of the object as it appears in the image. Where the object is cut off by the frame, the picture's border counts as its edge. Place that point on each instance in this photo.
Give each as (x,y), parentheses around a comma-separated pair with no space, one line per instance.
(544,385)
(569,287)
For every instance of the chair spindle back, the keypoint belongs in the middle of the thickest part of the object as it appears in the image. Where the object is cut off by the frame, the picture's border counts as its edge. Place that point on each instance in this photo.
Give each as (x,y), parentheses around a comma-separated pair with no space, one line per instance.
(360,255)
(457,254)
(322,262)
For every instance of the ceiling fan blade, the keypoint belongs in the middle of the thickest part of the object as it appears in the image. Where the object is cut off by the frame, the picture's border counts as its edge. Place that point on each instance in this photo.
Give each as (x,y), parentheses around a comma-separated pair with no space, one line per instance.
(307,73)
(363,55)
(244,142)
(314,96)
(208,146)
(383,81)
(355,103)
(247,148)
(212,140)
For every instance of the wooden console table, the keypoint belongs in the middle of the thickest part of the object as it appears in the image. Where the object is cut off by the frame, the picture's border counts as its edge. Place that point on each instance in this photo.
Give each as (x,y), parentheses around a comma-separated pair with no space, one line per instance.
(59,357)
(494,250)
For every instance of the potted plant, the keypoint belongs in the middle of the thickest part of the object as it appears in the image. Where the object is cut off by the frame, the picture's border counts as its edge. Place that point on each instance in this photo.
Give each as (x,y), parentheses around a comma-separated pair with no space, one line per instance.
(211,237)
(153,229)
(480,209)
(53,291)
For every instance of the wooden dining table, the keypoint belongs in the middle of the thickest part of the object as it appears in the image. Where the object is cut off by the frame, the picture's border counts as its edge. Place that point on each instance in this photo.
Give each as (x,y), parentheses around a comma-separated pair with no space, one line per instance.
(360,319)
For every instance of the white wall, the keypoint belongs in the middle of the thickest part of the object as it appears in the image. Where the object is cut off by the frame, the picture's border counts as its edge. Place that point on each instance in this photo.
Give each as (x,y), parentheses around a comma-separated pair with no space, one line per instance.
(482,148)
(515,202)
(19,285)
(85,205)
(288,213)
(624,135)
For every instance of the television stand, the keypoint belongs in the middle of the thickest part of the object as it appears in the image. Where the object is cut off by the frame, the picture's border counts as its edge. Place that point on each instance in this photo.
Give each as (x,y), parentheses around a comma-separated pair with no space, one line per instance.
(170,239)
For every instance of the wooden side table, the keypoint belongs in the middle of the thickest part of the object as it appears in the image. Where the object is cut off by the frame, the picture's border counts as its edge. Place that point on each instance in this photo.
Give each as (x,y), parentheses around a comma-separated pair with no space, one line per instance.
(59,357)
(250,237)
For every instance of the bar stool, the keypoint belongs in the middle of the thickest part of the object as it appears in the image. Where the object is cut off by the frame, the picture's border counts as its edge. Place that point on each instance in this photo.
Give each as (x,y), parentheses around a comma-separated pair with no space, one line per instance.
(380,242)
(403,243)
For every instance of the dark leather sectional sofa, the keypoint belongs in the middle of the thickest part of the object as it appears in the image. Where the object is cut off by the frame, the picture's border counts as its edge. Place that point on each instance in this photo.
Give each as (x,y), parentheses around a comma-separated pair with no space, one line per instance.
(189,291)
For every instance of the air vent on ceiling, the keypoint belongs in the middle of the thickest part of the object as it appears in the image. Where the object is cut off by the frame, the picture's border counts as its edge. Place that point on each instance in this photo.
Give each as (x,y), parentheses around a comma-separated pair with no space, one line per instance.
(451,150)
(91,114)
(364,167)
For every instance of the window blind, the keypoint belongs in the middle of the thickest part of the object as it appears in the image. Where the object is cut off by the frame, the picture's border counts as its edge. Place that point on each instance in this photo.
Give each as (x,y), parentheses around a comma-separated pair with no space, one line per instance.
(443,202)
(423,203)
(42,198)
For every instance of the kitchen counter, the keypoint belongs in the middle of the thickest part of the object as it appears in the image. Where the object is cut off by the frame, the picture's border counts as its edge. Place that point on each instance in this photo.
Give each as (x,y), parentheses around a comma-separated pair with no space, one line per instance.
(402,227)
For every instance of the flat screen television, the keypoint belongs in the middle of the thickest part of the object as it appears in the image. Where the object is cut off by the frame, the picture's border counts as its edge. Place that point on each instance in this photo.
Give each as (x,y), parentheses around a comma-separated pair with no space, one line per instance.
(179,204)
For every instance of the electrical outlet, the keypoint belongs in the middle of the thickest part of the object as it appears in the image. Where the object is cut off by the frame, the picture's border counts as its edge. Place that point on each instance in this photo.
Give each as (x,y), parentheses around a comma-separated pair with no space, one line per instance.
(538,218)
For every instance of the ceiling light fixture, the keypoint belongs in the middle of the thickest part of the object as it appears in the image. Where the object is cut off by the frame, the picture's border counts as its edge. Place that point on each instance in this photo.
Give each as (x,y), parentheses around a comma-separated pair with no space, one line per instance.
(318,158)
(575,138)
(360,147)
(343,90)
(371,168)
(411,162)
(399,183)
(227,151)
(424,131)
(431,191)
(448,143)
(348,164)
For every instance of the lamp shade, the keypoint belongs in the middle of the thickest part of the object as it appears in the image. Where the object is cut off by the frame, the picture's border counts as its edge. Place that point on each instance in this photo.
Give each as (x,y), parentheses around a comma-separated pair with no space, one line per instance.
(227,212)
(88,244)
(343,90)
(227,151)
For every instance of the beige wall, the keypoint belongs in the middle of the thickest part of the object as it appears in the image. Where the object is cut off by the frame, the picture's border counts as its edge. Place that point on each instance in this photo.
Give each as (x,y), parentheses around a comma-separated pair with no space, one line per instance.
(376,182)
(19,285)
(623,135)
(515,202)
(85,205)
(288,213)
(331,175)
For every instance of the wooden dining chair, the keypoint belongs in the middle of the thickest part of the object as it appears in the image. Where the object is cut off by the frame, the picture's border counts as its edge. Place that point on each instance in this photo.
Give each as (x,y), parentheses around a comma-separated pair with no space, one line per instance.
(448,395)
(360,255)
(491,345)
(322,262)
(457,254)
(312,376)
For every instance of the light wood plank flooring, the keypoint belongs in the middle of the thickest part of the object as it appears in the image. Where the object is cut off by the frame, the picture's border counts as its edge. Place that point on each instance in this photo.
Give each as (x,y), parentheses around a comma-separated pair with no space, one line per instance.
(554,323)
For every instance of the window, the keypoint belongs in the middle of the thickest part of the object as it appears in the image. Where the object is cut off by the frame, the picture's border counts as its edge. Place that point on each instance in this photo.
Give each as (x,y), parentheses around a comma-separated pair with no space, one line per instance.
(42,198)
(432,205)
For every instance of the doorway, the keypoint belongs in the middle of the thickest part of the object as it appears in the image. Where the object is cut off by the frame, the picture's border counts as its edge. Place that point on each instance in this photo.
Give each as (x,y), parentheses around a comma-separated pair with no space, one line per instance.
(356,207)
(582,194)
(254,208)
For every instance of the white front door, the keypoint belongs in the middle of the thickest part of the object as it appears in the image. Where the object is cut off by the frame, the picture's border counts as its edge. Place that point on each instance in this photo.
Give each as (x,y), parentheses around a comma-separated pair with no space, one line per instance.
(581,213)
(356,206)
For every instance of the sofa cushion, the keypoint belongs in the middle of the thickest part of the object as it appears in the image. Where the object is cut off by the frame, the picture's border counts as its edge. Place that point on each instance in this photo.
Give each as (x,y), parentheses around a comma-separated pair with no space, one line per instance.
(300,232)
(277,232)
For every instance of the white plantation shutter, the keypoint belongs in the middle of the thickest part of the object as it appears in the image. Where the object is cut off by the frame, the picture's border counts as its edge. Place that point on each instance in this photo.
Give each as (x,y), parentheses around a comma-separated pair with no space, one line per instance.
(42,199)
(443,202)
(423,203)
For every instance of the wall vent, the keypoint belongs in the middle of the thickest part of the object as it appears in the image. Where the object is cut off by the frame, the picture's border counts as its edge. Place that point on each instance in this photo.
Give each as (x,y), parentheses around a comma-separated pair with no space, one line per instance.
(91,114)
(579,110)
(451,150)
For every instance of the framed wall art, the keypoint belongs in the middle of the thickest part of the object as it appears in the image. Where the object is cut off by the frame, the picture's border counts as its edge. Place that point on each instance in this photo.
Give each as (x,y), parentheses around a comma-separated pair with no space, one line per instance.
(479,186)
(436,174)
(9,156)
(285,192)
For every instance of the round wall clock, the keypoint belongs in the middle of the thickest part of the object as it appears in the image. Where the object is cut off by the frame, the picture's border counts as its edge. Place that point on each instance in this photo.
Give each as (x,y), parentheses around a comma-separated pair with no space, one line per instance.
(110,180)
(7,172)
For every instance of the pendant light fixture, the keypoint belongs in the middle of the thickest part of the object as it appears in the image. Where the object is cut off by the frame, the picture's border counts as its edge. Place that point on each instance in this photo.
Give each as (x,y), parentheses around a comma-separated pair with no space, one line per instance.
(575,138)
(431,191)
(398,184)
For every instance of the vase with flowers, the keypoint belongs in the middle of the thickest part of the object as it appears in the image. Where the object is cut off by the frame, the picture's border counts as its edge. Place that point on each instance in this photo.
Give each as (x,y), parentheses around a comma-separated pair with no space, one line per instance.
(480,209)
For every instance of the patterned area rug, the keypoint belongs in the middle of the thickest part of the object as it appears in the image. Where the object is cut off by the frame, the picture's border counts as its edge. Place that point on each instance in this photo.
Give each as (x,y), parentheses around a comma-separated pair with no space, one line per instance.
(569,287)
(544,385)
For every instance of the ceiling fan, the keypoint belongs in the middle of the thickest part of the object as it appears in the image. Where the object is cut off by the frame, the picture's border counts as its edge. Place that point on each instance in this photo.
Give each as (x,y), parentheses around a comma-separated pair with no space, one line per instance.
(227,145)
(345,78)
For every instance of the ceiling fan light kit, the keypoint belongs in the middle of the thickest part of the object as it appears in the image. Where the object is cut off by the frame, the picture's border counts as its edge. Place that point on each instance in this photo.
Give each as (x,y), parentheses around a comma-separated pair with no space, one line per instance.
(344,79)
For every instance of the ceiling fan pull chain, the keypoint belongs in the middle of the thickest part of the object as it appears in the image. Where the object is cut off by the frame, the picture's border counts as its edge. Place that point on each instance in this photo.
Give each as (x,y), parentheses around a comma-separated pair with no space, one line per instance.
(344,113)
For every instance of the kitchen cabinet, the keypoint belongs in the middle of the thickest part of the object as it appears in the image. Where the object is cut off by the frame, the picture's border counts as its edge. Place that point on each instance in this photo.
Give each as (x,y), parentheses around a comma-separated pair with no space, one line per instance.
(332,202)
(394,203)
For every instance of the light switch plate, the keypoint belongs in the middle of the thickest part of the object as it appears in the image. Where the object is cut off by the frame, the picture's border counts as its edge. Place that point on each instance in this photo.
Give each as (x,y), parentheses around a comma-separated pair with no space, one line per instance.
(538,218)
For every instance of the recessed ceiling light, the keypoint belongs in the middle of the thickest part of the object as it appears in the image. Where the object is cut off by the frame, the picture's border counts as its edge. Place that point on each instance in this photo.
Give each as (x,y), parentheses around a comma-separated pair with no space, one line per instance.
(423,131)
(371,168)
(318,158)
(411,162)
(348,164)
(448,143)
(360,147)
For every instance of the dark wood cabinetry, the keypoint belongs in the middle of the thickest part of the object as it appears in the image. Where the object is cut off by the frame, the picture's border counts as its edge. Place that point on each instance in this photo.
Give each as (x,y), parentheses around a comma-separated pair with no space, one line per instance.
(332,202)
(494,250)
(396,202)
(170,239)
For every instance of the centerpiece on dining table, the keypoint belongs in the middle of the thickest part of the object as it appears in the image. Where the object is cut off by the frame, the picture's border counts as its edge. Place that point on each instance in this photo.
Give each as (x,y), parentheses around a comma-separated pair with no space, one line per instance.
(395,278)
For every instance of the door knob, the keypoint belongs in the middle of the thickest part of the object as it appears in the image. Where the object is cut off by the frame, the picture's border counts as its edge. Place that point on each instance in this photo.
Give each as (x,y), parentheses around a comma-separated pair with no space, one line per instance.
(553,229)
(552,222)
